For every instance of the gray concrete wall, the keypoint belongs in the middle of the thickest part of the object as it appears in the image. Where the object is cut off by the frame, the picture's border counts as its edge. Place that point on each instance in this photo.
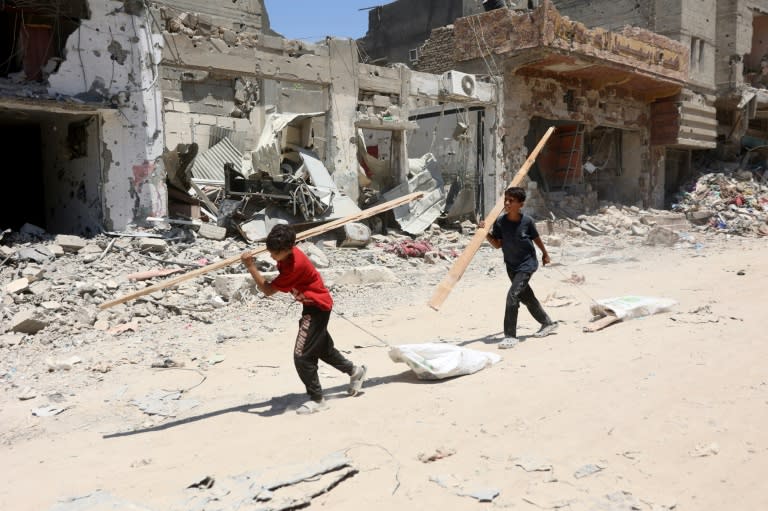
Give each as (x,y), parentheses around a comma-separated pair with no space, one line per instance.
(611,15)
(733,21)
(341,159)
(699,32)
(734,38)
(629,183)
(199,106)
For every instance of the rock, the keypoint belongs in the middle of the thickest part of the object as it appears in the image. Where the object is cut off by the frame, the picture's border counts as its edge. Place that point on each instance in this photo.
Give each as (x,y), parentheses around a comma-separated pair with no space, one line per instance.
(27,322)
(70,244)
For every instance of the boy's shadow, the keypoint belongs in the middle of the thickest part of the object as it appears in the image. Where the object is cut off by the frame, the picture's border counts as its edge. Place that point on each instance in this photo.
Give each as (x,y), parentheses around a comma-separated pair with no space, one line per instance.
(278,405)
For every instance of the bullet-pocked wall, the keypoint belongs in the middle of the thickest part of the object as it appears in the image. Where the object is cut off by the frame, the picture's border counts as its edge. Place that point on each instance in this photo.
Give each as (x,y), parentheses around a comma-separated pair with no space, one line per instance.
(112,59)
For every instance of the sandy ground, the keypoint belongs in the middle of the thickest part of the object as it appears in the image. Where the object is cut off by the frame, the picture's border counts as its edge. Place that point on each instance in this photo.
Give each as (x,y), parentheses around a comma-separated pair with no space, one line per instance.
(660,412)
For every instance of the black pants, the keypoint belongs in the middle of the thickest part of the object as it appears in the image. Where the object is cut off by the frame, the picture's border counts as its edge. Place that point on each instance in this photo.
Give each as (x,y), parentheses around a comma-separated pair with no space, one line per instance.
(313,343)
(521,292)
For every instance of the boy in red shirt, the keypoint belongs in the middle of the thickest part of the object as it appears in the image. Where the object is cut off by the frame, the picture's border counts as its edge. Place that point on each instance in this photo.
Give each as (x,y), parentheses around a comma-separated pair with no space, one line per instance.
(299,277)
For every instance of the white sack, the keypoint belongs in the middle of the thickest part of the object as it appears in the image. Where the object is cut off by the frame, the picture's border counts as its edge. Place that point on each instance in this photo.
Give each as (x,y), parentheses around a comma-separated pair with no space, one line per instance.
(433,361)
(626,307)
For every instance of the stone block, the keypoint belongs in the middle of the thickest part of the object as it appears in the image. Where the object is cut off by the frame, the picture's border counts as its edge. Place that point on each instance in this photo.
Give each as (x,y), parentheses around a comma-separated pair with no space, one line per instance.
(211,231)
(229,286)
(153,245)
(17,286)
(70,244)
(27,322)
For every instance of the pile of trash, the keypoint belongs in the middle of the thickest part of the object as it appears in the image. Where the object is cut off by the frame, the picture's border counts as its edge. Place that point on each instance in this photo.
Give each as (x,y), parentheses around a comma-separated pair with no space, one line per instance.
(734,203)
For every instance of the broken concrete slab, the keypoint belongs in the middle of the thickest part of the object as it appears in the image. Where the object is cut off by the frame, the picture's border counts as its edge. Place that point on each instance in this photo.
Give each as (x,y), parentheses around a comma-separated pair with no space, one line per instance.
(10,339)
(354,234)
(153,245)
(212,232)
(27,322)
(70,244)
(233,285)
(17,286)
(39,254)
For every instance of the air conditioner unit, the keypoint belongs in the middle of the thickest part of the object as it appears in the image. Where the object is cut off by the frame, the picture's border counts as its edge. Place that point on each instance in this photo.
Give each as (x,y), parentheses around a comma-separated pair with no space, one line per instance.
(459,84)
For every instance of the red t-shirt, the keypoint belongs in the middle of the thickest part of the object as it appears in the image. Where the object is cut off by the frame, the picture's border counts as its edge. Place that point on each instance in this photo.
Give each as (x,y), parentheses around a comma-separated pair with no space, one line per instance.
(300,278)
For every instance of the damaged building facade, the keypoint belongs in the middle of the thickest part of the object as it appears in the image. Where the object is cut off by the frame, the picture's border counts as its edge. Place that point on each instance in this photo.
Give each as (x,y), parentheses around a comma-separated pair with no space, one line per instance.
(80,114)
(135,110)
(635,89)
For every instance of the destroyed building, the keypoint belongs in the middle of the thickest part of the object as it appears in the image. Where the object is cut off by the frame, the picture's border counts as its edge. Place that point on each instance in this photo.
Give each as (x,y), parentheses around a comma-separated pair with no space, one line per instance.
(636,89)
(129,111)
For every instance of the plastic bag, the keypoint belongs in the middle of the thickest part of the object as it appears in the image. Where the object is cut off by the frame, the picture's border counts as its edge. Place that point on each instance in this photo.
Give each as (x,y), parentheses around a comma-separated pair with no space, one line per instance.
(434,361)
(626,307)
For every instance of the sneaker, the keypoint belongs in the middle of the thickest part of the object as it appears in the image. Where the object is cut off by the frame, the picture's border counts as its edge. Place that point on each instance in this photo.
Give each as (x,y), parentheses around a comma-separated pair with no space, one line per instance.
(312,407)
(546,330)
(508,342)
(356,380)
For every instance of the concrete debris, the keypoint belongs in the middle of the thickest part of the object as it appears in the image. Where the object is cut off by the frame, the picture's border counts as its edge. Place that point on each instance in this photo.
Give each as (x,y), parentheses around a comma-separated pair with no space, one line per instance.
(734,203)
(270,486)
(588,470)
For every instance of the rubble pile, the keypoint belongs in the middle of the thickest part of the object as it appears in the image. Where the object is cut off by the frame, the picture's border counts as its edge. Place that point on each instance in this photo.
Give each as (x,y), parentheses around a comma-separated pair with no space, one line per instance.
(651,226)
(735,203)
(53,285)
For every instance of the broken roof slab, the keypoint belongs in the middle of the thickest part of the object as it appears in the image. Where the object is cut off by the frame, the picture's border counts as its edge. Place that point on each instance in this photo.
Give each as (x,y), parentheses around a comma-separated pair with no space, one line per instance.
(543,43)
(24,108)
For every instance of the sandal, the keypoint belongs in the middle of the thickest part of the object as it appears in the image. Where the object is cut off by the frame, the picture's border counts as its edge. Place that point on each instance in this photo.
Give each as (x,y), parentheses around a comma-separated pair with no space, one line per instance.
(546,330)
(508,342)
(312,407)
(356,380)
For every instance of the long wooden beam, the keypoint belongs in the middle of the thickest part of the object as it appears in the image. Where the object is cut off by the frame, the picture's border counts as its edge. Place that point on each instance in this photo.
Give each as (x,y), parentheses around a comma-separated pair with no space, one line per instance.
(461,263)
(366,213)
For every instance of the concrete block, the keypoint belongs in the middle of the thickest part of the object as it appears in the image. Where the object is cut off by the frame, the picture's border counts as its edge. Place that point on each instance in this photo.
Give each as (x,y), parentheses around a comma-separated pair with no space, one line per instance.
(209,120)
(40,288)
(32,273)
(70,243)
(152,245)
(91,248)
(229,286)
(176,122)
(359,276)
(17,286)
(213,232)
(177,106)
(8,340)
(27,322)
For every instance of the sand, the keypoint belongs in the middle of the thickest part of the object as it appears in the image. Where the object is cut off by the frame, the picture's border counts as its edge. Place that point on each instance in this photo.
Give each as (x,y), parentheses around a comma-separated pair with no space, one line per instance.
(663,411)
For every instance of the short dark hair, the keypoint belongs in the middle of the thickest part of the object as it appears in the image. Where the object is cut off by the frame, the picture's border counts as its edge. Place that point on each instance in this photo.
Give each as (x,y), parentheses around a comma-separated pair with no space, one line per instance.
(515,192)
(281,237)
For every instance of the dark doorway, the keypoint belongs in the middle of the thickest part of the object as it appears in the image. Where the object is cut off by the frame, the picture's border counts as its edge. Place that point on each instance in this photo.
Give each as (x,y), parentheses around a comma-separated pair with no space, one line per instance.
(22,175)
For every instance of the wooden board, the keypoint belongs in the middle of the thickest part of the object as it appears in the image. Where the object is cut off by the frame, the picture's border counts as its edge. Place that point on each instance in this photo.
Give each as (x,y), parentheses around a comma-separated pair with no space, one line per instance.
(601,323)
(366,213)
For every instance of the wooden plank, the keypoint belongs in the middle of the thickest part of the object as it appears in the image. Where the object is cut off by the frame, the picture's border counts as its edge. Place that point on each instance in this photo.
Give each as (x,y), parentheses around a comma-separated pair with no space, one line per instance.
(461,263)
(366,213)
(601,323)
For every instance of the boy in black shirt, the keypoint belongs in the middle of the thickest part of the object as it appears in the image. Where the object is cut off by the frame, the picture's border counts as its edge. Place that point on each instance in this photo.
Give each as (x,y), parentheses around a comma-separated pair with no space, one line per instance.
(515,233)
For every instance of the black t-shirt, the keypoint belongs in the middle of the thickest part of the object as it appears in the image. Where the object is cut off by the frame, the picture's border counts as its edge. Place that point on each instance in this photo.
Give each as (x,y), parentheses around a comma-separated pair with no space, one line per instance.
(517,242)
